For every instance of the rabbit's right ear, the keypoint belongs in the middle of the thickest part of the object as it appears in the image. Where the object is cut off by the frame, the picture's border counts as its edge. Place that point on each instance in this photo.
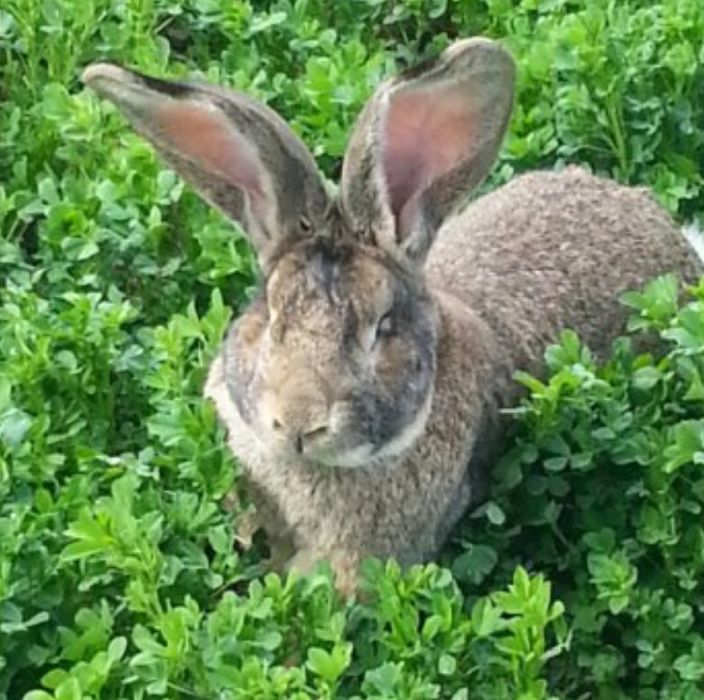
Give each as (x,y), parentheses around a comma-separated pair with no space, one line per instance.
(423,142)
(240,155)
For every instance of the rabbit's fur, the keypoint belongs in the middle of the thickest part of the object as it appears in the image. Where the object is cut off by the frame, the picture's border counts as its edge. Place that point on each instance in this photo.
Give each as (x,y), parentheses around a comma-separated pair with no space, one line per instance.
(361,389)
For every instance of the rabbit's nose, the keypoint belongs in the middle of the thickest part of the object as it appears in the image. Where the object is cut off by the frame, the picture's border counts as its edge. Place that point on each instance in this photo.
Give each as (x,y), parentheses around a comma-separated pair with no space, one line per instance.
(299,409)
(302,433)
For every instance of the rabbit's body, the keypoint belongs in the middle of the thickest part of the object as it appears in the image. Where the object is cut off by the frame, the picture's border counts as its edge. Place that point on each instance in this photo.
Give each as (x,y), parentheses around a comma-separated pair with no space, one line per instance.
(361,391)
(507,275)
(554,250)
(402,509)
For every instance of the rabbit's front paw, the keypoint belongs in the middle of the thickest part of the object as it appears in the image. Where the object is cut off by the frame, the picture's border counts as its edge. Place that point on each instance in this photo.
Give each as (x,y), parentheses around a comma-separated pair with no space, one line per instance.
(345,567)
(279,543)
(247,525)
(303,561)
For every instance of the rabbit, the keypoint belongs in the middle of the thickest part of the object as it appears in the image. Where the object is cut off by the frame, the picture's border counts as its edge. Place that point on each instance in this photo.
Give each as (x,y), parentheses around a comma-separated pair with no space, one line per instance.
(362,389)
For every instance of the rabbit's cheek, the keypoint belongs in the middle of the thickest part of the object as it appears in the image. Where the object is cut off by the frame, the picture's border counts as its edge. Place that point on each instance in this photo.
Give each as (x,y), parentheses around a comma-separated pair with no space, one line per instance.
(406,437)
(397,364)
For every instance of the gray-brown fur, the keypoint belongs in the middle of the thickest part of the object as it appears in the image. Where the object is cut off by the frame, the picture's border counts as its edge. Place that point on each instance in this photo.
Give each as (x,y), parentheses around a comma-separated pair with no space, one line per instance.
(361,390)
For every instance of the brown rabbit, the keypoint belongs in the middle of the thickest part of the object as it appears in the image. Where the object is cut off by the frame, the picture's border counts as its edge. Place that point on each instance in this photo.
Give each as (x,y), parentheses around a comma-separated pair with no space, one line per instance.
(361,390)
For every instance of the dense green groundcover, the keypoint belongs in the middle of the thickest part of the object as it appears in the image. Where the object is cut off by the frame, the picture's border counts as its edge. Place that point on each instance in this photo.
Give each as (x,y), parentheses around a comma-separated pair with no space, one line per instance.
(119,575)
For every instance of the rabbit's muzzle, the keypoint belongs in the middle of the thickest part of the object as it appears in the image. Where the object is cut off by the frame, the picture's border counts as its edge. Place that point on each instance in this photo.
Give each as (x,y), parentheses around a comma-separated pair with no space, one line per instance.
(297,412)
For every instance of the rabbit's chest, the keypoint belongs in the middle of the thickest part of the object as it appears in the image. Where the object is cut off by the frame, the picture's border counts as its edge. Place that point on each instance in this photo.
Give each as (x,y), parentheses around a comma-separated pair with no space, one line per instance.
(316,501)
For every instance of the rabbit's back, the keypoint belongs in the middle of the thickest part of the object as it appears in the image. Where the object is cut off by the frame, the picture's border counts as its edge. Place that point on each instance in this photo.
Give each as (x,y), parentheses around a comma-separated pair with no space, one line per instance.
(553,250)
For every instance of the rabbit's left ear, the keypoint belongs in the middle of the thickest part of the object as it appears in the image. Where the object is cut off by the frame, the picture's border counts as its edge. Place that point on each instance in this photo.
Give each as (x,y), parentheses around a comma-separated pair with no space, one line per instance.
(424,141)
(239,154)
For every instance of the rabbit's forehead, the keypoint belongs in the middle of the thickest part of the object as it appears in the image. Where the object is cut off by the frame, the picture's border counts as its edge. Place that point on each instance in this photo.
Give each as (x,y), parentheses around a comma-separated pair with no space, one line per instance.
(334,277)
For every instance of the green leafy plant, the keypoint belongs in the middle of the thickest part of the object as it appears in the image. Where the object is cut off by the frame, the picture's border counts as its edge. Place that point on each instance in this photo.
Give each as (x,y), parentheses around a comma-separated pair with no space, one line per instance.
(120,575)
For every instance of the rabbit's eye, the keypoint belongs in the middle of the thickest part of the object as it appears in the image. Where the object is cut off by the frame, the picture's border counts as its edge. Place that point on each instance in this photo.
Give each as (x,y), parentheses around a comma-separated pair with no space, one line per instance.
(386,326)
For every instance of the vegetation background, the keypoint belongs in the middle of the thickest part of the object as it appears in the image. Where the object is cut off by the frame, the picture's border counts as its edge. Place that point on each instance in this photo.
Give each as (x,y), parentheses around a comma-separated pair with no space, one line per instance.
(119,574)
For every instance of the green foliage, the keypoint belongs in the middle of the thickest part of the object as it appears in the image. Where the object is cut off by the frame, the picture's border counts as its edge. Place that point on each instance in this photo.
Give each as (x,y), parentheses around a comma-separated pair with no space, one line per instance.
(119,573)
(603,492)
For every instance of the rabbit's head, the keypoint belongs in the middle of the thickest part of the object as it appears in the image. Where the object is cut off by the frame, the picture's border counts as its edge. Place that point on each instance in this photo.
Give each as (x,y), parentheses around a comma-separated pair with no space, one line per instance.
(335,360)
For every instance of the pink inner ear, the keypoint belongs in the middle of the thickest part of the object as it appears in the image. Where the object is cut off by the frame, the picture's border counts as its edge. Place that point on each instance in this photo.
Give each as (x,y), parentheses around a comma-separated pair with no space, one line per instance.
(426,134)
(204,136)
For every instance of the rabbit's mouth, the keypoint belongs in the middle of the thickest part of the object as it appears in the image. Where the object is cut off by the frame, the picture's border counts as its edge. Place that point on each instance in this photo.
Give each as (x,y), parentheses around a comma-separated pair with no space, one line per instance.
(359,457)
(322,448)
(347,443)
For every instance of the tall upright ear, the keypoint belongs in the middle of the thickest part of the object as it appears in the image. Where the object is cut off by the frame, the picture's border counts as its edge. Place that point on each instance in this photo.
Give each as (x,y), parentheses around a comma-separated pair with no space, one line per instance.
(424,141)
(240,155)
